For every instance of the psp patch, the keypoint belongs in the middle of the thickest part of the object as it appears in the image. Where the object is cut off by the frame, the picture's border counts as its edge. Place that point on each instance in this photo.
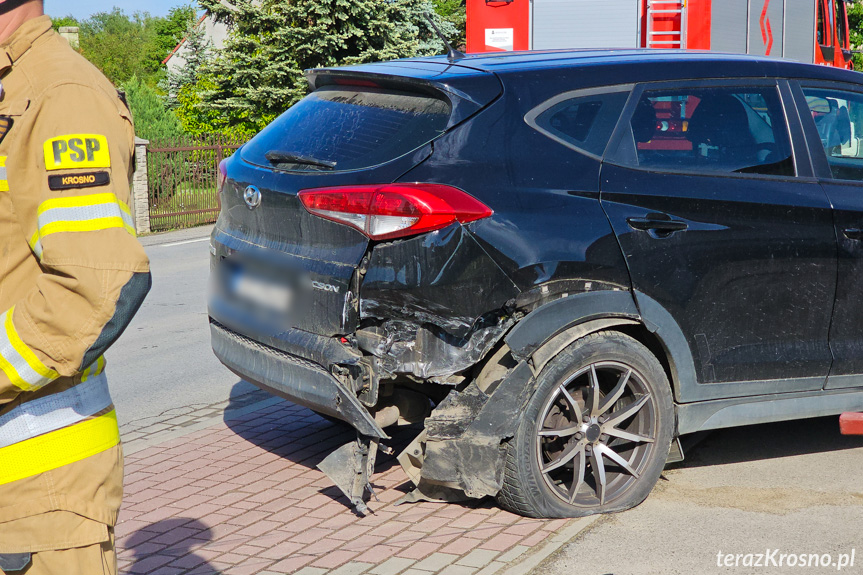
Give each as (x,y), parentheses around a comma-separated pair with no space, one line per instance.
(76,151)
(70,181)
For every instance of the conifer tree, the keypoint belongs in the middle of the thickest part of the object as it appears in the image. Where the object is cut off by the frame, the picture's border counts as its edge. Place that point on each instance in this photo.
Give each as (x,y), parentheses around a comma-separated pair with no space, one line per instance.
(152,121)
(196,54)
(258,74)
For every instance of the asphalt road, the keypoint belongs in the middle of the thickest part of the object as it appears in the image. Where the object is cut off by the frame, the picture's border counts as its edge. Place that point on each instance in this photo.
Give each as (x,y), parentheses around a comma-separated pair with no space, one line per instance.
(794,487)
(164,360)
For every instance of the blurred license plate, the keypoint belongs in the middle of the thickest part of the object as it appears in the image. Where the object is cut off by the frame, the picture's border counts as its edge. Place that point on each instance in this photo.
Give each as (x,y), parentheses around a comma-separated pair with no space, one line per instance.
(263,292)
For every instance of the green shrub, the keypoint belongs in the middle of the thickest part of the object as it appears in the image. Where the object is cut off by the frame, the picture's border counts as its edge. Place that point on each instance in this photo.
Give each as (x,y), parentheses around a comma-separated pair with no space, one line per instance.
(153,121)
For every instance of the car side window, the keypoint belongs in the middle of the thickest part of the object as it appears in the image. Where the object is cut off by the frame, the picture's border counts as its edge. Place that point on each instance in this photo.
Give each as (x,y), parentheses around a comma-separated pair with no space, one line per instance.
(838,116)
(584,122)
(737,130)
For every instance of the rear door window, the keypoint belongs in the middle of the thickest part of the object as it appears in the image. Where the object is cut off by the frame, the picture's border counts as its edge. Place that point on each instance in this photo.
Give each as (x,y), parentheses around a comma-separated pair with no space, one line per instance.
(582,120)
(732,130)
(838,116)
(348,128)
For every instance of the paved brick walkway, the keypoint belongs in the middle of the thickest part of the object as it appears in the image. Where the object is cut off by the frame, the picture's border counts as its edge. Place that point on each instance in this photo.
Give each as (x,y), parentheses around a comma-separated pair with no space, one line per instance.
(232,488)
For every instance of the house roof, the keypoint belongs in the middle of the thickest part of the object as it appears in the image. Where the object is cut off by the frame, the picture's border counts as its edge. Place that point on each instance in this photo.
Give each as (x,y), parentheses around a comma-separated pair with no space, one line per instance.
(183,41)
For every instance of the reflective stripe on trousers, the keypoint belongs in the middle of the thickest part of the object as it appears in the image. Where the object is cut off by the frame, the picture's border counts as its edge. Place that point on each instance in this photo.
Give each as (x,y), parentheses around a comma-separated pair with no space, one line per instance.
(57,430)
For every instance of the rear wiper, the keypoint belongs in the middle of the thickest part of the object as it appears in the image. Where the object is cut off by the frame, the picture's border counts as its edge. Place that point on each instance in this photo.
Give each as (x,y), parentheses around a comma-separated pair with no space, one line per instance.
(275,157)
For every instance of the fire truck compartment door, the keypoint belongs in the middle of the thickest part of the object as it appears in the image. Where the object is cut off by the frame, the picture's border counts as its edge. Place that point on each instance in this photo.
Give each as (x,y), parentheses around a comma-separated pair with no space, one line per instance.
(764,28)
(584,24)
(799,30)
(766,21)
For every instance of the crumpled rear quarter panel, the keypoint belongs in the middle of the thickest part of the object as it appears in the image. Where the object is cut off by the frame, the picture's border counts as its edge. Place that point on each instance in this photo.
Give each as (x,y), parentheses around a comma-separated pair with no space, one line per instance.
(443,278)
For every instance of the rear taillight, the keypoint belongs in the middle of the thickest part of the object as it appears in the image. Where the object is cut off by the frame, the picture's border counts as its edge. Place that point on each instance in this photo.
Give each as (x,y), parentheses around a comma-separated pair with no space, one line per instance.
(221,176)
(386,211)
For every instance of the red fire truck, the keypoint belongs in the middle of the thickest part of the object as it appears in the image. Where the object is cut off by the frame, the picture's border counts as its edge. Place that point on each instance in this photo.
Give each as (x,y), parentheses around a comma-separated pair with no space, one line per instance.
(814,31)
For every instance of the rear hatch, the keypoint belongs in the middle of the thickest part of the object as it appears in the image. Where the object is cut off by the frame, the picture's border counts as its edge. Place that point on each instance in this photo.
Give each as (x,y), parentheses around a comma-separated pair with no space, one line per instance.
(277,268)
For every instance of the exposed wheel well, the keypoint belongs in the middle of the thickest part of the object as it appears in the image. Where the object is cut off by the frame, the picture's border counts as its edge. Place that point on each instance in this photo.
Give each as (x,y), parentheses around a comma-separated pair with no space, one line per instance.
(649,340)
(632,328)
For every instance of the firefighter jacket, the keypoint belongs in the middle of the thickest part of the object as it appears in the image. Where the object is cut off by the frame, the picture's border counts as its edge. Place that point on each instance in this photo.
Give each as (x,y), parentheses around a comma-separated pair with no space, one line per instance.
(72,275)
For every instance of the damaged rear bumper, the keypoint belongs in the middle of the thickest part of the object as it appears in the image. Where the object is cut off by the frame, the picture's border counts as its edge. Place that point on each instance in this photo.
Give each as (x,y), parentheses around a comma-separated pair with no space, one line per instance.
(294,378)
(463,447)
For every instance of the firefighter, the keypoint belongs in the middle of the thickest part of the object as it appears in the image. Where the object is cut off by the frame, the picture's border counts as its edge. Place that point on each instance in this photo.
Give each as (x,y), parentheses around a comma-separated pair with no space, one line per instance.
(72,275)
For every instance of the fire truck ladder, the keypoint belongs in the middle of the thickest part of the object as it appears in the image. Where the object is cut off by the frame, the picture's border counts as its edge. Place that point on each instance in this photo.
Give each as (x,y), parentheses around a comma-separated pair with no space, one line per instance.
(665,10)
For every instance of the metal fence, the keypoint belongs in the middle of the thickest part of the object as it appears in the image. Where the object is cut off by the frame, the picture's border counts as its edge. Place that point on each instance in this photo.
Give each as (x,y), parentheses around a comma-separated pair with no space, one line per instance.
(182,179)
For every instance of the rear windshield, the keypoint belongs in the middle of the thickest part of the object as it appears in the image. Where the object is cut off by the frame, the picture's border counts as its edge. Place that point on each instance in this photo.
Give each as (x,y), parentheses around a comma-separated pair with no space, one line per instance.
(345,128)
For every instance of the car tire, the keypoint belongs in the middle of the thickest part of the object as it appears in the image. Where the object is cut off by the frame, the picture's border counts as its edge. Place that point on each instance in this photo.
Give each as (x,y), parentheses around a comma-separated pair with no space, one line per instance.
(578,452)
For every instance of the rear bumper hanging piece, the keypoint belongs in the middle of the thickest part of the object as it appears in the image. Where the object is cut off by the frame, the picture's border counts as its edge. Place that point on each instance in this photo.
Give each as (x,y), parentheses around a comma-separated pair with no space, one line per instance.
(350,467)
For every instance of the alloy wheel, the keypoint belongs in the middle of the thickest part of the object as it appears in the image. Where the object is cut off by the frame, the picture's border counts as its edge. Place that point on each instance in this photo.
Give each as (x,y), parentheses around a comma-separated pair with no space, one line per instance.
(596,434)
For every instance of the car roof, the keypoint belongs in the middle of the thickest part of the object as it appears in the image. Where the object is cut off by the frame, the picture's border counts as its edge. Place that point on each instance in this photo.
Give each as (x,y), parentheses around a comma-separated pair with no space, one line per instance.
(694,63)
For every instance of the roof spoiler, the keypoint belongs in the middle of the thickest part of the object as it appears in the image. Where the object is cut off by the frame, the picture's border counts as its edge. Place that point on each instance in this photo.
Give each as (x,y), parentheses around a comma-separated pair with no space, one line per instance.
(468,90)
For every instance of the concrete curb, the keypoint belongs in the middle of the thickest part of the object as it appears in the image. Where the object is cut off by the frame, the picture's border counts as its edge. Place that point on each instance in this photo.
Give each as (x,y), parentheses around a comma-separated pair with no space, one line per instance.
(160,238)
(541,553)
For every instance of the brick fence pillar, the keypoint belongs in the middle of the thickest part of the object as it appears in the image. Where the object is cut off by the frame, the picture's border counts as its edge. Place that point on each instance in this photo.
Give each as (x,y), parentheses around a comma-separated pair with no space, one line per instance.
(140,192)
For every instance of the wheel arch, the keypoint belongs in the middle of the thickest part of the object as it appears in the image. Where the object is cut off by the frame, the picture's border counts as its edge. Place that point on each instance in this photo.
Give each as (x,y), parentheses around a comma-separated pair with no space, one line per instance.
(546,331)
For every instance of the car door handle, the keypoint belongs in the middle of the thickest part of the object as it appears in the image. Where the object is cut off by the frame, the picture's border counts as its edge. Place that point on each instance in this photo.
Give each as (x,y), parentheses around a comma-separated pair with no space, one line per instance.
(662,226)
(853,233)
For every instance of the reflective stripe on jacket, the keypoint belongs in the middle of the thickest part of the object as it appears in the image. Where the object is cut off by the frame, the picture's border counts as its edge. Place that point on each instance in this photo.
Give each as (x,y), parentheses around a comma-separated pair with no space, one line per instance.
(58,429)
(53,412)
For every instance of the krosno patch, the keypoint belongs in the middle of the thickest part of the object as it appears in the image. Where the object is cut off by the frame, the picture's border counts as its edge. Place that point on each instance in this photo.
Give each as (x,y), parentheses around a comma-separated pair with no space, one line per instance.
(86,180)
(77,151)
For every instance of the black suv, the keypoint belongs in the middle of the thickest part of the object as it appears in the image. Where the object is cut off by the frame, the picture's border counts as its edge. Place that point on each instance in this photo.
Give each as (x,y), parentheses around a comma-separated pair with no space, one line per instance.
(557,262)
